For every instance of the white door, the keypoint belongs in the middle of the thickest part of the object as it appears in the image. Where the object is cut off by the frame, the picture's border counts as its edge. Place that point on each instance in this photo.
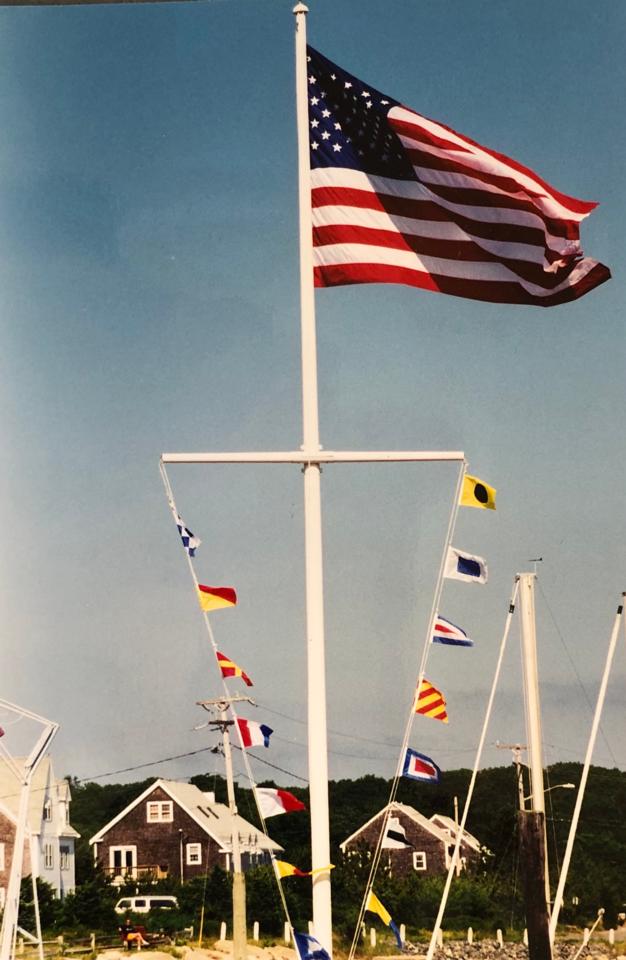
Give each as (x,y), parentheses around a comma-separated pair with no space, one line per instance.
(123,861)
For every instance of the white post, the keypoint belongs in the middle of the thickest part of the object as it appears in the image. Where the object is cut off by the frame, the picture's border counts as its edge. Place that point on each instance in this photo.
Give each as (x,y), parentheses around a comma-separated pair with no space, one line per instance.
(558,897)
(403,932)
(372,937)
(223,930)
(318,760)
(533,718)
(499,937)
(255,931)
(287,933)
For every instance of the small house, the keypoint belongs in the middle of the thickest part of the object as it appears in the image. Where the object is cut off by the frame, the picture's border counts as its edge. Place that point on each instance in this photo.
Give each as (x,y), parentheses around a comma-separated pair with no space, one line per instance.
(413,842)
(173,829)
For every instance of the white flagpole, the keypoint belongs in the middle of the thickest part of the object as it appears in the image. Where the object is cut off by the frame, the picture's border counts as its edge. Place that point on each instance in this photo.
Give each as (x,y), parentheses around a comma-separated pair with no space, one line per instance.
(316,686)
(558,897)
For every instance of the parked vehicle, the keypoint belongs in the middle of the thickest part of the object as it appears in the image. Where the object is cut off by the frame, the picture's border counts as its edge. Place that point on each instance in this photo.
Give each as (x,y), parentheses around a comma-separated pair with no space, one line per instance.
(145,902)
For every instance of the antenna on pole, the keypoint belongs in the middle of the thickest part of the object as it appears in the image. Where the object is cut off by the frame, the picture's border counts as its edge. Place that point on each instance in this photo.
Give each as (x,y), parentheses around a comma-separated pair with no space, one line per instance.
(535,560)
(516,749)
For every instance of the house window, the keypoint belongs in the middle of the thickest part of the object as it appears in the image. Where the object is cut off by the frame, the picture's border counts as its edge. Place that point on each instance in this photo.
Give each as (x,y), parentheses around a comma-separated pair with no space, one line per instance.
(48,856)
(47,810)
(194,853)
(123,861)
(160,811)
(1,856)
(419,861)
(64,857)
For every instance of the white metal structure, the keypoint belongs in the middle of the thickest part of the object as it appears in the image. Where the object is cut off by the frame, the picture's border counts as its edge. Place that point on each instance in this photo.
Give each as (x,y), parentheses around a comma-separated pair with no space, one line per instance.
(23,773)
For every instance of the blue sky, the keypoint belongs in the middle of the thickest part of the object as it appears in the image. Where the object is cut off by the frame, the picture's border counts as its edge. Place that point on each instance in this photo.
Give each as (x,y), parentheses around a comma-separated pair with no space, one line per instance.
(149,285)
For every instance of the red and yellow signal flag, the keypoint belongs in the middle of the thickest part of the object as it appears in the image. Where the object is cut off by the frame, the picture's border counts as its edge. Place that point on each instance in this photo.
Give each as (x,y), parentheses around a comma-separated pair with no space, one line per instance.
(288,870)
(230,669)
(430,702)
(212,598)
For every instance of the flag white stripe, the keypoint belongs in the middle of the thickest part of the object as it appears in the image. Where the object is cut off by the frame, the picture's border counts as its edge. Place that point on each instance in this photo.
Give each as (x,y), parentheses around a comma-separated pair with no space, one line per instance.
(429,229)
(411,190)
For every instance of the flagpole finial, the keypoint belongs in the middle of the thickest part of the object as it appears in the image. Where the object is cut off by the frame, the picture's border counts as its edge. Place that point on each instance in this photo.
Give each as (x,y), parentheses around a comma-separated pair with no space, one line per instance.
(300,8)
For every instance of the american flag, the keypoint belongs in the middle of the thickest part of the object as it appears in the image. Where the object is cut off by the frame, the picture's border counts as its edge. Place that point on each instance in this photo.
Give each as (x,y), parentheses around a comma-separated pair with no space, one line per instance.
(399,198)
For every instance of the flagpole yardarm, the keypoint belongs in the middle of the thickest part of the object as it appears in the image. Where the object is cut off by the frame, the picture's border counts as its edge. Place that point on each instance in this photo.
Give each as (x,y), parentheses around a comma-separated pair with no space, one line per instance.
(316,669)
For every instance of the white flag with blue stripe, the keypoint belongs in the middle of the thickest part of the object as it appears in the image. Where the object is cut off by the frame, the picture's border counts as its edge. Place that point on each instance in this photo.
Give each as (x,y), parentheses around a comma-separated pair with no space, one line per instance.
(465,566)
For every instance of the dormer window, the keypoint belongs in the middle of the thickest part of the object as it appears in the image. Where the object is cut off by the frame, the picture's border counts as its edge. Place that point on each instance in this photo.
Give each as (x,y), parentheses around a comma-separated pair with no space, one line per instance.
(159,811)
(47,811)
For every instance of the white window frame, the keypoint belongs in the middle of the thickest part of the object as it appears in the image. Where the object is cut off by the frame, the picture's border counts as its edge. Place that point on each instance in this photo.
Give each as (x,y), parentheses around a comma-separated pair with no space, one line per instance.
(159,811)
(193,854)
(47,810)
(64,856)
(419,860)
(48,856)
(124,870)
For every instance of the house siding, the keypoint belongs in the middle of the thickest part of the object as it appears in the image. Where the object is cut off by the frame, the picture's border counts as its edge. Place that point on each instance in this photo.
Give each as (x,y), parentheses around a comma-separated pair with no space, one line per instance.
(159,843)
(399,862)
(7,839)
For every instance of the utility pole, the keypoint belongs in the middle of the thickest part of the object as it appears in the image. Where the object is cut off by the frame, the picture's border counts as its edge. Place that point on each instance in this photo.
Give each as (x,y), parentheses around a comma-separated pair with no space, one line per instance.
(223,724)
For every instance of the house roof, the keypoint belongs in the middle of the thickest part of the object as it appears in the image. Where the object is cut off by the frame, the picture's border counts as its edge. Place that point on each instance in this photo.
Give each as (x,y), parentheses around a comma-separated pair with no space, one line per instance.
(43,785)
(214,818)
(448,824)
(442,831)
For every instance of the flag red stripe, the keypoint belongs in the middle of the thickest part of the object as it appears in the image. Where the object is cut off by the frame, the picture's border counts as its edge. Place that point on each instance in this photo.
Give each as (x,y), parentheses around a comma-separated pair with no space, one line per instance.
(489,291)
(428,210)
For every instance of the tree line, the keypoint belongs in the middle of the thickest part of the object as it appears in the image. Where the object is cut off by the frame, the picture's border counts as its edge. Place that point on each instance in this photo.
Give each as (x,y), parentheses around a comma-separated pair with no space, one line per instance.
(487,899)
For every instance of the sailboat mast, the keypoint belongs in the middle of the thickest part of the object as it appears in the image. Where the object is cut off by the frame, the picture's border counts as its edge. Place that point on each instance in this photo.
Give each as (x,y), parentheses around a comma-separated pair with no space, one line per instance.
(531,687)
(533,822)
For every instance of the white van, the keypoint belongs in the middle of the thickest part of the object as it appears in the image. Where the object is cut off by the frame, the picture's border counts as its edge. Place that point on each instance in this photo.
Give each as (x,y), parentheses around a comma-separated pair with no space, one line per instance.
(145,902)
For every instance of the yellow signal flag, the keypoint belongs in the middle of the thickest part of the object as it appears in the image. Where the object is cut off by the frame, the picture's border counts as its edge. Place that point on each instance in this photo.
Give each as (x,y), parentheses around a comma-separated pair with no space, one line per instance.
(374,905)
(476,493)
(288,870)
